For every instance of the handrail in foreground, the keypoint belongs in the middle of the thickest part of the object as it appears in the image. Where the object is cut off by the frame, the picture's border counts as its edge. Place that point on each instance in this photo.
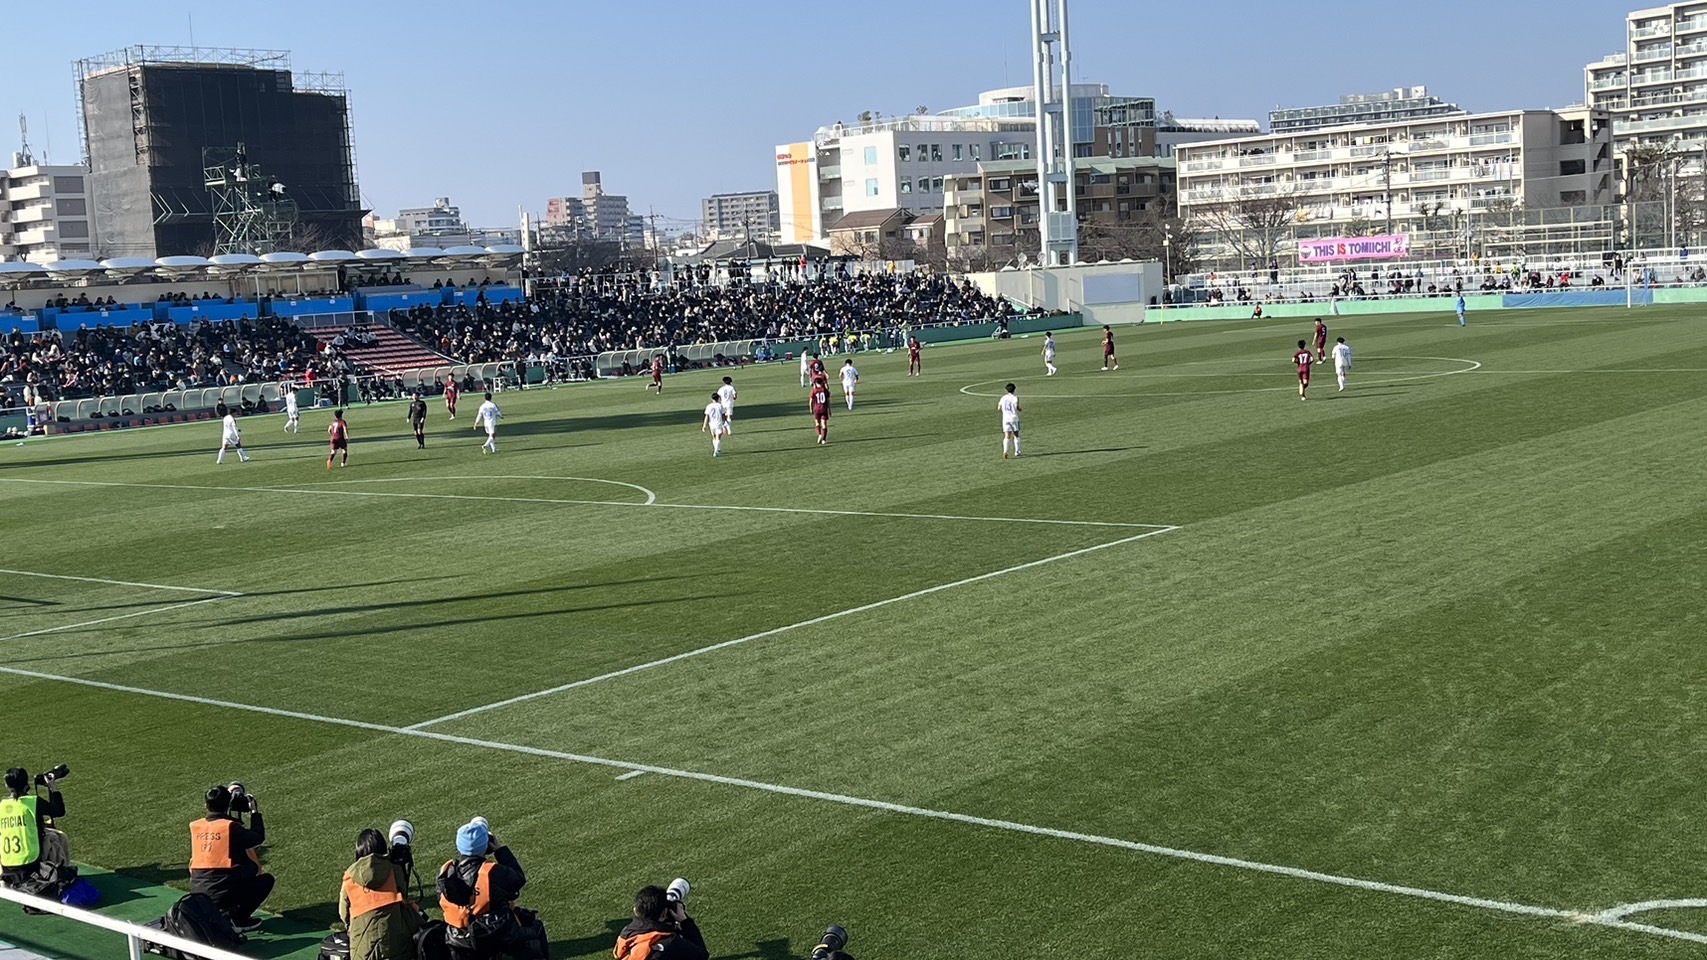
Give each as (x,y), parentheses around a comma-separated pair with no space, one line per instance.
(135,934)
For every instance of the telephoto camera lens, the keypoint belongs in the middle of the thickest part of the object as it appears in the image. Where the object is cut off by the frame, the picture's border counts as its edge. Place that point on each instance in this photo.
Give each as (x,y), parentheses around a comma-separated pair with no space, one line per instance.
(57,773)
(678,890)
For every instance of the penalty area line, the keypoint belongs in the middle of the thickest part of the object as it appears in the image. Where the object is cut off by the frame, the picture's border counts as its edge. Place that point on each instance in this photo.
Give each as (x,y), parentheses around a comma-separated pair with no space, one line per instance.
(775,631)
(900,809)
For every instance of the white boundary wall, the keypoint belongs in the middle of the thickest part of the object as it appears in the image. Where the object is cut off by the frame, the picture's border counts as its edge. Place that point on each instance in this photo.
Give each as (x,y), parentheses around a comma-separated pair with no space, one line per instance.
(1063,288)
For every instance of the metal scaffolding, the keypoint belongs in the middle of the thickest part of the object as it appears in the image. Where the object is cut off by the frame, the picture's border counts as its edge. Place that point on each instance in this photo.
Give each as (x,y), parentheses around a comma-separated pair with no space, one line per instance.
(252,212)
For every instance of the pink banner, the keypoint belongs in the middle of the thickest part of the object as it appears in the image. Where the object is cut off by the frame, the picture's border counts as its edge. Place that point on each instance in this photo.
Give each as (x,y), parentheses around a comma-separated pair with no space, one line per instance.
(1387,247)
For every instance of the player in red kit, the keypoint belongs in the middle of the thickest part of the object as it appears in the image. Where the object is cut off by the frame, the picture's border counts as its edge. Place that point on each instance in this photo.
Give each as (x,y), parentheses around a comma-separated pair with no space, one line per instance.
(1303,359)
(658,374)
(1321,341)
(915,367)
(450,399)
(339,431)
(815,369)
(1108,357)
(819,402)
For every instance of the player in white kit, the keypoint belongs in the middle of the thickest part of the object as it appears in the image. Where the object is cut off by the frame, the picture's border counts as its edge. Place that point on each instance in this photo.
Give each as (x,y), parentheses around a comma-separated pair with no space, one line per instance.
(229,434)
(716,423)
(726,398)
(488,416)
(850,380)
(1049,352)
(293,416)
(805,369)
(1009,406)
(1342,360)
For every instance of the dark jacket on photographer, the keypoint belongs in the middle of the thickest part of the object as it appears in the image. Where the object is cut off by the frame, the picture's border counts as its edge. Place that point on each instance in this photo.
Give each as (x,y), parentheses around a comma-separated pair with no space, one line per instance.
(472,884)
(374,905)
(32,853)
(223,861)
(661,940)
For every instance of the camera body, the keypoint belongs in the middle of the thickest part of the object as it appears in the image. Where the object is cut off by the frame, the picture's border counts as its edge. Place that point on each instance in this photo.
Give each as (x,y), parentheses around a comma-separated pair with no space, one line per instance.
(52,776)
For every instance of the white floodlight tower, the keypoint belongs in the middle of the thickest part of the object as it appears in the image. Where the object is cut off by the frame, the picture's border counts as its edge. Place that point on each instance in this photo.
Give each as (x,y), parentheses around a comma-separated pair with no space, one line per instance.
(1052,83)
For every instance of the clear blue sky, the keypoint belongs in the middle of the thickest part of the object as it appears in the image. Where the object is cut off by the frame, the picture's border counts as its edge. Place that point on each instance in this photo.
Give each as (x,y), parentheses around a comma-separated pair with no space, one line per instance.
(503,104)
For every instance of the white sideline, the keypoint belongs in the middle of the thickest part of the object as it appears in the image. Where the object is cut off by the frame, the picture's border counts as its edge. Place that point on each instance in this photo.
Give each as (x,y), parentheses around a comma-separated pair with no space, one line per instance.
(119,583)
(650,504)
(1626,909)
(701,651)
(1297,873)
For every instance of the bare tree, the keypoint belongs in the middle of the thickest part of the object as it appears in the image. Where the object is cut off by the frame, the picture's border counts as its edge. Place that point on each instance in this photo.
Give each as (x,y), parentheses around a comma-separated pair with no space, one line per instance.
(1253,227)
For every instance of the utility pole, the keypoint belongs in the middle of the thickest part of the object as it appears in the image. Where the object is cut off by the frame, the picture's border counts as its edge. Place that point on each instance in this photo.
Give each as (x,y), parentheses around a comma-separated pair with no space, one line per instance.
(1387,181)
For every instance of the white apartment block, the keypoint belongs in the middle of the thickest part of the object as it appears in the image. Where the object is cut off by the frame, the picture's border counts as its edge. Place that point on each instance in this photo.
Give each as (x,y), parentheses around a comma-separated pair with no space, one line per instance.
(1656,87)
(44,214)
(1431,168)
(885,164)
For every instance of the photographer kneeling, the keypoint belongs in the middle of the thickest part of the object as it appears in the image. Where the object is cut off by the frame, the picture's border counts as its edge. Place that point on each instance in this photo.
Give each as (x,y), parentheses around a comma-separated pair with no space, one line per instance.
(223,861)
(478,897)
(373,902)
(35,857)
(661,927)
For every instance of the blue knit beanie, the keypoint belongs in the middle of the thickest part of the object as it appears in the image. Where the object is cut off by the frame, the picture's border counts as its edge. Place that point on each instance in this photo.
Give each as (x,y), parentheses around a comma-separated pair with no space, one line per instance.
(472,839)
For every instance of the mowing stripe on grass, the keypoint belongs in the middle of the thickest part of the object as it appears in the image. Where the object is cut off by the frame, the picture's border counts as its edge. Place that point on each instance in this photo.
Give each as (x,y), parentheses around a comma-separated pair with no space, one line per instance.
(862,608)
(1297,873)
(310,490)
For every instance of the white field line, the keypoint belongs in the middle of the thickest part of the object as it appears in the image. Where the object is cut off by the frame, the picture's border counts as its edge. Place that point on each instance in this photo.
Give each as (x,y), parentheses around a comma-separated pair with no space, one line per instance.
(630,775)
(223,595)
(651,497)
(1297,873)
(317,490)
(119,583)
(826,618)
(1626,909)
(213,596)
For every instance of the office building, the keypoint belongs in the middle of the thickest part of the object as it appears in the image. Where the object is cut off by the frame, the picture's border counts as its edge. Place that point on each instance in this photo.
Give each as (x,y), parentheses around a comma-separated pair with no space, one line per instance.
(1388,106)
(440,225)
(175,141)
(754,215)
(44,213)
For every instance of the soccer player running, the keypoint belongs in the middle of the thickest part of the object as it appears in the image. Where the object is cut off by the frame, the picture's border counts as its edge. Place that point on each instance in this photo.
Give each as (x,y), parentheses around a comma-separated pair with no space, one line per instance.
(293,415)
(1303,358)
(716,423)
(1108,356)
(450,398)
(1321,341)
(488,416)
(915,365)
(818,401)
(1009,406)
(339,432)
(657,374)
(417,418)
(229,435)
(1461,310)
(1342,360)
(1049,353)
(726,398)
(850,380)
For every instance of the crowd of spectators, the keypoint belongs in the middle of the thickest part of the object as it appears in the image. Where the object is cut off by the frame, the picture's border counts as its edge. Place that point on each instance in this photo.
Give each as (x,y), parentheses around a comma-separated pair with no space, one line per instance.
(599,312)
(103,361)
(1376,283)
(575,318)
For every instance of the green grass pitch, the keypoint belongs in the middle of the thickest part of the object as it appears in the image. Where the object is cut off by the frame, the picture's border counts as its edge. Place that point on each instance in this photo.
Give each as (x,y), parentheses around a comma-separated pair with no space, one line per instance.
(1409,670)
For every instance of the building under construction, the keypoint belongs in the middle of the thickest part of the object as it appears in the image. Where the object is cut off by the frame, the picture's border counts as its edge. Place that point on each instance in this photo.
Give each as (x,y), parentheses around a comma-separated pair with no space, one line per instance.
(199,151)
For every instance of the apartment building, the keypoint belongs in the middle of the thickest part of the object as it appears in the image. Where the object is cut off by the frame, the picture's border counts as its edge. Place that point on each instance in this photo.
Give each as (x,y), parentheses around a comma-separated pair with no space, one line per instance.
(1655,88)
(754,215)
(1414,174)
(45,214)
(993,210)
(596,215)
(1388,106)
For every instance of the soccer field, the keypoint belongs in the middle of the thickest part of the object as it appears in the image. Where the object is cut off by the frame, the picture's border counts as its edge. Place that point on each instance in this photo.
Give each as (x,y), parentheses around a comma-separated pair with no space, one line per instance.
(1405,671)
